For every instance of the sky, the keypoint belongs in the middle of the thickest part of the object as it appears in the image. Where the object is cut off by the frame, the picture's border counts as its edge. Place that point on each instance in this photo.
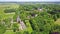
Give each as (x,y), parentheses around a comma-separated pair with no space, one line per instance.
(29,0)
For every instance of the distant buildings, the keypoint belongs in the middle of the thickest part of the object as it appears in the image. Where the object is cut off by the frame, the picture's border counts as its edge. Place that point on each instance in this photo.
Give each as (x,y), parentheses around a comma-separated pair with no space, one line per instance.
(40,9)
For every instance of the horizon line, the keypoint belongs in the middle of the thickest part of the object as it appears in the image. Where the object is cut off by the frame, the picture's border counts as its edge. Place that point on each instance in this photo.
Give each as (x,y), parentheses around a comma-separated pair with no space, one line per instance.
(29,1)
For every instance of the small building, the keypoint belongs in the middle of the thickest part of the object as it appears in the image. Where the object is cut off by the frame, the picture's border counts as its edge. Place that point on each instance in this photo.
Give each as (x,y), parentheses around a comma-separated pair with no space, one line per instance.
(39,9)
(34,15)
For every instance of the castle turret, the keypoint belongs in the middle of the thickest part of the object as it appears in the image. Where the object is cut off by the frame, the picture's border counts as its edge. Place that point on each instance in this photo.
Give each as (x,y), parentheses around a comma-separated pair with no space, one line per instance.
(22,25)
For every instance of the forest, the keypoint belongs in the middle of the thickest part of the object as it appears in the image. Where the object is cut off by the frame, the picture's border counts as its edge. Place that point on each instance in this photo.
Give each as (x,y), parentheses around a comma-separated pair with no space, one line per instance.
(29,18)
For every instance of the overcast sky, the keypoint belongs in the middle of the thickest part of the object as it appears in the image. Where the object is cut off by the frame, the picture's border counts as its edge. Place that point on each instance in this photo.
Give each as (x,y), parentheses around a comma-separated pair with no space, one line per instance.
(30,0)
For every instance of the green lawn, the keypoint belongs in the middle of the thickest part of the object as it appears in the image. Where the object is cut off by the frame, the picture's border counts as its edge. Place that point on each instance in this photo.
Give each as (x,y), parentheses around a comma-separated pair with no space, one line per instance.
(9,32)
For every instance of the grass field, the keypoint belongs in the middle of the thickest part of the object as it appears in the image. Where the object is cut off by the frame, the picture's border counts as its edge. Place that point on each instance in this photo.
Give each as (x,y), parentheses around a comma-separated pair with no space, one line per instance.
(9,32)
(58,21)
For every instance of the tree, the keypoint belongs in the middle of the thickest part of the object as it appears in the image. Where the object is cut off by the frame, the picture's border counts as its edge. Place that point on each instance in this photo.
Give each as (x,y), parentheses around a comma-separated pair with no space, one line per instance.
(15,27)
(2,28)
(42,22)
(25,32)
(9,10)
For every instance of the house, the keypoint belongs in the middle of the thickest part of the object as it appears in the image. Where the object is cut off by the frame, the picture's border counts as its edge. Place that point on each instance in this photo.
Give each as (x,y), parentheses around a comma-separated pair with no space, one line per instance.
(40,9)
(34,15)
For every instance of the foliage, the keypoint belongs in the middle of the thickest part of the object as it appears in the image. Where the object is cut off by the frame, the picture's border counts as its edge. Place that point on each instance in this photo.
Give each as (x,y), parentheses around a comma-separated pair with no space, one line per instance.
(36,21)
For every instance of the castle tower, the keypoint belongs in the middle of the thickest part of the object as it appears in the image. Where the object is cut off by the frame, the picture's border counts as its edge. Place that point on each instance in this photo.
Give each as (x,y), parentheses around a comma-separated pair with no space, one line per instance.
(22,25)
